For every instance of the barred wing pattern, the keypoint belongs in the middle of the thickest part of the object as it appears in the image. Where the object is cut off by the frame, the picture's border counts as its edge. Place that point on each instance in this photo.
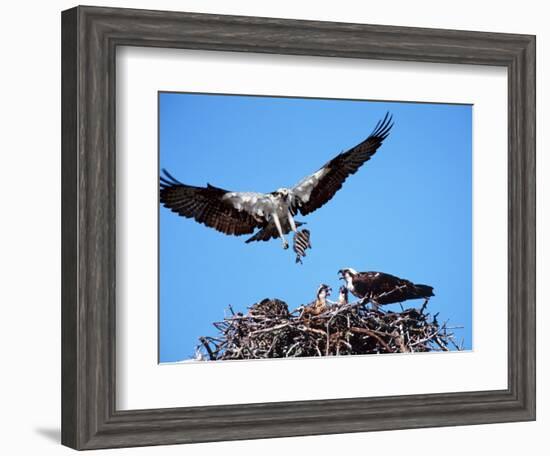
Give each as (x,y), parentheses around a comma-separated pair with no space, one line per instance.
(237,213)
(207,206)
(317,189)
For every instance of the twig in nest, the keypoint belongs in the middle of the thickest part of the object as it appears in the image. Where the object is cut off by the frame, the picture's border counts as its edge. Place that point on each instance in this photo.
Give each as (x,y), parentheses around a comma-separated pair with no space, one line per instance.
(269,330)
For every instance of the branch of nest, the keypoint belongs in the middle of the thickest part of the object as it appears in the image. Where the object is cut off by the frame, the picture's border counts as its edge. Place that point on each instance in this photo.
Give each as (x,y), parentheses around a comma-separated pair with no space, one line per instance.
(270,330)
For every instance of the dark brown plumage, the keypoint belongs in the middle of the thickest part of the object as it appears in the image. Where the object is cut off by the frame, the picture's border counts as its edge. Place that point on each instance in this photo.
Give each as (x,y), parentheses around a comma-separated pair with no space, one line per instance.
(269,231)
(382,288)
(205,205)
(237,213)
(346,164)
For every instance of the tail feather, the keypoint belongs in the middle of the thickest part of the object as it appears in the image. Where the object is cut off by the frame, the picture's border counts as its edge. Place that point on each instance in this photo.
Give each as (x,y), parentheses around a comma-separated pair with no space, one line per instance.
(270,232)
(424,291)
(265,234)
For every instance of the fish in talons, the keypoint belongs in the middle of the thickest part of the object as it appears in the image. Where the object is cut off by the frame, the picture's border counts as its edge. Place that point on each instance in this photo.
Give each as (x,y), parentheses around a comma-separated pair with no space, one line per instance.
(269,215)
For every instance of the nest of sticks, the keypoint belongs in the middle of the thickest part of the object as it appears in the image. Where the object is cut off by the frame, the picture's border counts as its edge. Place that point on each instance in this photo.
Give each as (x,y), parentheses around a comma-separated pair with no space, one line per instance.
(270,330)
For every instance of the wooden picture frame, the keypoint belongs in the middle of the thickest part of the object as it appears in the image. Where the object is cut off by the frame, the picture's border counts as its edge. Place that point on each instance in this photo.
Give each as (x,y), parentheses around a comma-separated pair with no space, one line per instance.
(90,36)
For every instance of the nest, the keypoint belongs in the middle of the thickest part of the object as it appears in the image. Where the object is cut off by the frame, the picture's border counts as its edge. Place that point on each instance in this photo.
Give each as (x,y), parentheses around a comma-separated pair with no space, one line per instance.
(270,330)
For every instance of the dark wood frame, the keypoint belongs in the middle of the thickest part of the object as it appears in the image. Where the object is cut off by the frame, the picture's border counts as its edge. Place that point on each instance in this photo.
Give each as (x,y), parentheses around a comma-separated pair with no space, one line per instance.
(90,36)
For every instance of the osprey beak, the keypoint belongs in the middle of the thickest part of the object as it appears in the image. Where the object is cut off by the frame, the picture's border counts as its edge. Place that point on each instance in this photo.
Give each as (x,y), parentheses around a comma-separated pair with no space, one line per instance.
(340,274)
(325,288)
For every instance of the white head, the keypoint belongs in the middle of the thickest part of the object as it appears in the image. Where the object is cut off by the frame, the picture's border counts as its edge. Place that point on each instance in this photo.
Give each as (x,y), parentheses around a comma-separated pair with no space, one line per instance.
(284,193)
(347,273)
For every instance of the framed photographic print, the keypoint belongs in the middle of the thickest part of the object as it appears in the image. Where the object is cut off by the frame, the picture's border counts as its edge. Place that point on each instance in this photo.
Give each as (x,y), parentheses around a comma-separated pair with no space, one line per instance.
(269,224)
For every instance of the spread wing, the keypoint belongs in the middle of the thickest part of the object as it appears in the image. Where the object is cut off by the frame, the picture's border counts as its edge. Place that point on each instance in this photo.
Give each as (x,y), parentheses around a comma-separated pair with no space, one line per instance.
(314,191)
(228,212)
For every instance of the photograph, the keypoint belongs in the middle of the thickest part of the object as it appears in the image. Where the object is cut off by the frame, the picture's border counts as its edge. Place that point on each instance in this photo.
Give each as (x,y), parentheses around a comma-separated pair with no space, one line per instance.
(277,221)
(304,227)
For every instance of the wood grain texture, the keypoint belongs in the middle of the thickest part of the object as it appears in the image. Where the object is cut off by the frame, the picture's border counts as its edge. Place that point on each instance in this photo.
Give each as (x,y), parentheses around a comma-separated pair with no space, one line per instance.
(89,39)
(69,228)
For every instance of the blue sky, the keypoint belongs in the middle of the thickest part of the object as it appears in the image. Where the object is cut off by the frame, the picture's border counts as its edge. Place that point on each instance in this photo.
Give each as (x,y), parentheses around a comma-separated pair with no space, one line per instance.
(408,211)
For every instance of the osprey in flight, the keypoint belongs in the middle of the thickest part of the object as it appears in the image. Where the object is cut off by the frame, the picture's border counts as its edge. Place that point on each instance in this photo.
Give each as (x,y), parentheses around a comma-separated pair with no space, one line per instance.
(381,288)
(238,213)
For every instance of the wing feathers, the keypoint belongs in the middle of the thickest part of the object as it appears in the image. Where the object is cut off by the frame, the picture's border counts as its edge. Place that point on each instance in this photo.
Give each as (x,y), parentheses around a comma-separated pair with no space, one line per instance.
(316,190)
(206,206)
(388,289)
(239,213)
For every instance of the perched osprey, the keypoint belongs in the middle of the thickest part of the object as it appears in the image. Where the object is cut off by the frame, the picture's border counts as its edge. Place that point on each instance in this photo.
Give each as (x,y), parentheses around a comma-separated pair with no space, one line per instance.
(343,296)
(320,304)
(382,288)
(237,213)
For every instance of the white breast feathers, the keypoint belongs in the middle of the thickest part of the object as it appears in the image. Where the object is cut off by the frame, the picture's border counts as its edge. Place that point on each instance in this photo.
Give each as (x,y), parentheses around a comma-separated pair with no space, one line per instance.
(256,204)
